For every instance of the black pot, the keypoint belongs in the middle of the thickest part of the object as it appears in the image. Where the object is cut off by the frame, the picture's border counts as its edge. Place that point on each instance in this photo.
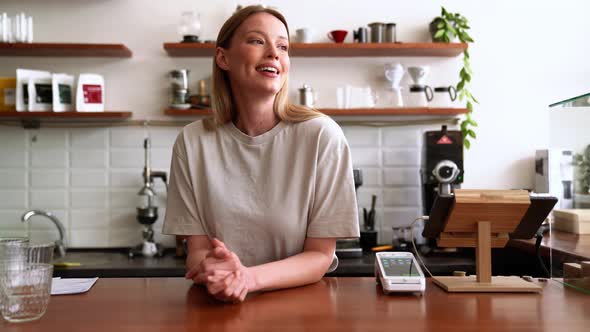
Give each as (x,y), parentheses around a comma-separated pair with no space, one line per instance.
(432,27)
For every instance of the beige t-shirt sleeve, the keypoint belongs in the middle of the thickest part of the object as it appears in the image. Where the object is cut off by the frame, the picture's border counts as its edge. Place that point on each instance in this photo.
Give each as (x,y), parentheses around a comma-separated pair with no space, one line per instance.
(182,215)
(334,211)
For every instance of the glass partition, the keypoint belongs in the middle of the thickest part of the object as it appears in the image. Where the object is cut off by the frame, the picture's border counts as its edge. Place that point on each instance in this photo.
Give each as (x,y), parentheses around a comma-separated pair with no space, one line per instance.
(569,239)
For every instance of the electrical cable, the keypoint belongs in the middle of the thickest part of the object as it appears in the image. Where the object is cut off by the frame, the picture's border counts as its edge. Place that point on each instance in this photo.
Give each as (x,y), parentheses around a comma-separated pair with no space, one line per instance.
(539,238)
(423,218)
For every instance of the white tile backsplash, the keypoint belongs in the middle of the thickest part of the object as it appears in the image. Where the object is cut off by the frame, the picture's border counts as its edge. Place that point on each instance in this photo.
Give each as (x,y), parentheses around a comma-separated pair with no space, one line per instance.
(48,138)
(89,218)
(89,138)
(401,157)
(124,198)
(401,177)
(128,158)
(11,219)
(126,179)
(401,137)
(366,157)
(90,178)
(163,137)
(13,158)
(402,197)
(48,158)
(361,137)
(49,199)
(13,138)
(13,179)
(49,179)
(128,137)
(88,199)
(88,158)
(13,199)
(89,238)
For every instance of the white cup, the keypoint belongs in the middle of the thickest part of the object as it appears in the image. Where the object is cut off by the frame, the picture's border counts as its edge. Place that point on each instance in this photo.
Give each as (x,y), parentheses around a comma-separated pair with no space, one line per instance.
(304,35)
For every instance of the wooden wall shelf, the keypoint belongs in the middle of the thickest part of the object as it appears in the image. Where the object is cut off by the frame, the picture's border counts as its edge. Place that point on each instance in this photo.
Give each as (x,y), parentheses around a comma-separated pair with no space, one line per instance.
(33,119)
(335,50)
(65,50)
(348,112)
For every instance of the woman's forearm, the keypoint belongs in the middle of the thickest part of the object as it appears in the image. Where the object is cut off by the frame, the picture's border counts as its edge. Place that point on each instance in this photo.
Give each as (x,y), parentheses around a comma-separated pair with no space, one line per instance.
(301,269)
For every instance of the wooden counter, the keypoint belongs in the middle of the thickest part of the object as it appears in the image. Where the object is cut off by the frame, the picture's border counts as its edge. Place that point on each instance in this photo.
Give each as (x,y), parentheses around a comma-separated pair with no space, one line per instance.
(334,304)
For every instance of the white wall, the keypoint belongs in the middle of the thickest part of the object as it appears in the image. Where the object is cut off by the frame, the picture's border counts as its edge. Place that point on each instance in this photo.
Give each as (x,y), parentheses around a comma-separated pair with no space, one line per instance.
(527,55)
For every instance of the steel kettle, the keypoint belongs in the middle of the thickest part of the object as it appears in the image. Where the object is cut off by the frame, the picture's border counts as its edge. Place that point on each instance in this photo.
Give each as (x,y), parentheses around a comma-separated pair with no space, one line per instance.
(307,97)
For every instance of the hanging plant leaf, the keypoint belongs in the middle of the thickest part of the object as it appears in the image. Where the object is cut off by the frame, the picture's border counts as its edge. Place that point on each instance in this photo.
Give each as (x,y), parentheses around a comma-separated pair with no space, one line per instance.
(439,34)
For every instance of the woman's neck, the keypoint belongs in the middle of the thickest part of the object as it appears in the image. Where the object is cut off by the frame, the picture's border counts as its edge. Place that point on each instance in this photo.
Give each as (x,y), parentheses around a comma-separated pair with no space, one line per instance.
(255,116)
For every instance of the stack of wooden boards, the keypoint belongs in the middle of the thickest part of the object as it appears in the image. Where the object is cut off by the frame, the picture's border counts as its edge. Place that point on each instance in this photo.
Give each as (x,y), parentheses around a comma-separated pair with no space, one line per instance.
(575,221)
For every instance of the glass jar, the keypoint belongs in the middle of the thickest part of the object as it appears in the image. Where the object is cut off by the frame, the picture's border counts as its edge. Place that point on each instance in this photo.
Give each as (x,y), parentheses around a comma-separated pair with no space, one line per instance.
(189,27)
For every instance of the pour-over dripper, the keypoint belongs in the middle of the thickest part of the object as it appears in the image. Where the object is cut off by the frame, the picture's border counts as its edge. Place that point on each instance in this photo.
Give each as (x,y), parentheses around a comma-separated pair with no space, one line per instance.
(418,74)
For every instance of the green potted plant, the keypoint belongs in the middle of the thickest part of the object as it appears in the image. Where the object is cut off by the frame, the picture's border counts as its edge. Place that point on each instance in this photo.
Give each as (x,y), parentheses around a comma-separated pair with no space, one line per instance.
(444,29)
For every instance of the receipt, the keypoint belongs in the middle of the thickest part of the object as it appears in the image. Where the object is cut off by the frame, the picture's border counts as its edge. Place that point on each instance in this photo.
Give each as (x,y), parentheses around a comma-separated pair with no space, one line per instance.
(64,286)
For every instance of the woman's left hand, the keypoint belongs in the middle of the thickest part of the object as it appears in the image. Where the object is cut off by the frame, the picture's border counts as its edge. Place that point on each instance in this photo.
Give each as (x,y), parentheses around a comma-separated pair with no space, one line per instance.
(233,288)
(224,275)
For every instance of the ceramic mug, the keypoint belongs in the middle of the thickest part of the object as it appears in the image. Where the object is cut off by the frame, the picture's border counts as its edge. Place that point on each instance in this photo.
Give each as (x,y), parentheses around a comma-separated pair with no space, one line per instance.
(337,36)
(304,35)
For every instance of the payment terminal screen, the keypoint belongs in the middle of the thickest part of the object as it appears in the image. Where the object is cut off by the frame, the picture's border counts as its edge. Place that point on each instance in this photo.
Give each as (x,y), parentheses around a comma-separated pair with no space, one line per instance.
(399,267)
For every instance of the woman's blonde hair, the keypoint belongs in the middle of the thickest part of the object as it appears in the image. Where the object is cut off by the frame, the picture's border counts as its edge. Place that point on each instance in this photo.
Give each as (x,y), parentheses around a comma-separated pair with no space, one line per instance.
(222,101)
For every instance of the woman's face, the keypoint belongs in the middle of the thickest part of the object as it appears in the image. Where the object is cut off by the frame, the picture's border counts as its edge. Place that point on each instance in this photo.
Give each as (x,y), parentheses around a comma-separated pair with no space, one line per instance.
(257,59)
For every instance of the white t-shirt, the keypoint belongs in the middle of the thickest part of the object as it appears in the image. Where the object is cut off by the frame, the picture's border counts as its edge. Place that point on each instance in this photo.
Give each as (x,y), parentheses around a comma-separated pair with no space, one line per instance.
(262,196)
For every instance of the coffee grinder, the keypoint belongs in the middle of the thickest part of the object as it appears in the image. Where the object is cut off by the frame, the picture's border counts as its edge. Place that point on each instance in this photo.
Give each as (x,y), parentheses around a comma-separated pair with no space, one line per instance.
(442,170)
(147,212)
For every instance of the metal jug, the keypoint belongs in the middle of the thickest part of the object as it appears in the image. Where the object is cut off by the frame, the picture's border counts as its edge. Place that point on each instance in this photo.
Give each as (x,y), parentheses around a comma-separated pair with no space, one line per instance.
(307,97)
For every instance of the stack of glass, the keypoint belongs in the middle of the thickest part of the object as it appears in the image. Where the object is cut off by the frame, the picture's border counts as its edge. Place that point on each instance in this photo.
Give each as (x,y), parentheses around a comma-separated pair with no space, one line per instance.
(25,279)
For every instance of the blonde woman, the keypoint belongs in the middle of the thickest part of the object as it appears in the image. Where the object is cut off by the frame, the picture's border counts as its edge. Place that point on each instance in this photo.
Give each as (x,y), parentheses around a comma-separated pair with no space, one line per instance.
(263,190)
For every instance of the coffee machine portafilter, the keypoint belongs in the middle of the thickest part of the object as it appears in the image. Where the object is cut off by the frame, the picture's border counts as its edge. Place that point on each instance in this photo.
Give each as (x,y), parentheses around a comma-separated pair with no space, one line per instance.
(147,212)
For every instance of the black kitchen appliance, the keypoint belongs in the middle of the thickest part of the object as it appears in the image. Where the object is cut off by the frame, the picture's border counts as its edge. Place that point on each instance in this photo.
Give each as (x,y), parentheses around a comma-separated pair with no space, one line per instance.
(347,248)
(442,168)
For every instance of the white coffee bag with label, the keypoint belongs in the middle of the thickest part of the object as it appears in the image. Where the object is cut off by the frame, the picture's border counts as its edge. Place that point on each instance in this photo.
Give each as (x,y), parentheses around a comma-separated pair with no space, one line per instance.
(22,86)
(90,93)
(40,92)
(62,86)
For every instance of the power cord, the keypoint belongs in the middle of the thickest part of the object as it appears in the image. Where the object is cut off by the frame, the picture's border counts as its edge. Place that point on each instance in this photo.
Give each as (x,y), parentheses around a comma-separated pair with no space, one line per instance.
(538,240)
(423,218)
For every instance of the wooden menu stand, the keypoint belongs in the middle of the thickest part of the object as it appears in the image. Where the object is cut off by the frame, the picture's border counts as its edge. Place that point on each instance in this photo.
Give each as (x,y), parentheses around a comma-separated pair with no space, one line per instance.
(483,219)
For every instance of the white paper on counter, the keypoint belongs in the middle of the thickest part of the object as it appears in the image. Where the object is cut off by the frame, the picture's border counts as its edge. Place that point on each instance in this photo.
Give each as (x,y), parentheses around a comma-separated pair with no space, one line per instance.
(64,286)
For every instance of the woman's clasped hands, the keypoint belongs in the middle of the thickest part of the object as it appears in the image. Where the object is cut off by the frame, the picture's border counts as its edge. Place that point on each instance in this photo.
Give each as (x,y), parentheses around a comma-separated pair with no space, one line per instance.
(223,274)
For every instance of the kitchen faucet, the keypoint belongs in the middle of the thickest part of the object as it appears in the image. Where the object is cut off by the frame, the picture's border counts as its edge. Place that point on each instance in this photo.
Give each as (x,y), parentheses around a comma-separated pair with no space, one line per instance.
(60,244)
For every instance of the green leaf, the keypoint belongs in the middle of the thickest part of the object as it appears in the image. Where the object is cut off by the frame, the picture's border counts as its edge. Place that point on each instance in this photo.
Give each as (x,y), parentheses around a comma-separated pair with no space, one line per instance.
(439,34)
(467,77)
(460,85)
(467,37)
(470,106)
(440,25)
(464,124)
(471,133)
(443,11)
(466,53)
(472,122)
(466,143)
(452,30)
(473,98)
